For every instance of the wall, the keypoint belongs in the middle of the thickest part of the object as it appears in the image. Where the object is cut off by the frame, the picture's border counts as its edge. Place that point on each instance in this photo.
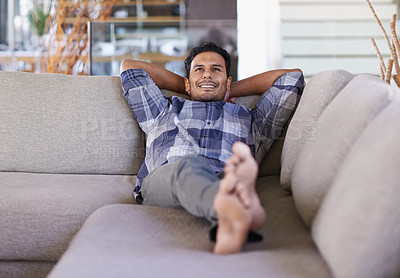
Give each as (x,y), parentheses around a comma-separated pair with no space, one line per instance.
(211,9)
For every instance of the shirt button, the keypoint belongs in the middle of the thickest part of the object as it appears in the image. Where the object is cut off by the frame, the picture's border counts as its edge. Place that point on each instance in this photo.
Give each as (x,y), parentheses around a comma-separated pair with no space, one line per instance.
(208,123)
(203,147)
(205,135)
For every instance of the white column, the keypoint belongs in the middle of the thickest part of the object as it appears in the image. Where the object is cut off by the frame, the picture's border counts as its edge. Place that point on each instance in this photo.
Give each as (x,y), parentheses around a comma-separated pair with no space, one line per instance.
(259,47)
(274,36)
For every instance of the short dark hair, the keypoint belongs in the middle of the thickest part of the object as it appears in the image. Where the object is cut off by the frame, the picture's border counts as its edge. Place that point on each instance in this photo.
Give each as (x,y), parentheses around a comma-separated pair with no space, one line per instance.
(208,47)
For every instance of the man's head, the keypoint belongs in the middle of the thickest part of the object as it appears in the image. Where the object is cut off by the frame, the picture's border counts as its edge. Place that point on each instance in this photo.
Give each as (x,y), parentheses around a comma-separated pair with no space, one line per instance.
(207,71)
(208,47)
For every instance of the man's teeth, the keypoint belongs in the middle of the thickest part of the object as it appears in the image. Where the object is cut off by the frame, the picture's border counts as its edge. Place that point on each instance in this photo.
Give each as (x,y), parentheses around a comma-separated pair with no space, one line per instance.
(207,86)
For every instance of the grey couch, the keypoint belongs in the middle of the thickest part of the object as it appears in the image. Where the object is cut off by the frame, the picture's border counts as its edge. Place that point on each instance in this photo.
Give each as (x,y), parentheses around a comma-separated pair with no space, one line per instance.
(70,149)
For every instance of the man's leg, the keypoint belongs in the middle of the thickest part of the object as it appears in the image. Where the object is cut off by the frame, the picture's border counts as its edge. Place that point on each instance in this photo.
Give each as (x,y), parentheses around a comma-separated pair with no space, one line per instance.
(237,204)
(189,183)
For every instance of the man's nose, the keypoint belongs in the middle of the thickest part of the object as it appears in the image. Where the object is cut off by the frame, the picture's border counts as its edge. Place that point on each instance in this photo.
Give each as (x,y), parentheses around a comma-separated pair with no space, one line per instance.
(207,74)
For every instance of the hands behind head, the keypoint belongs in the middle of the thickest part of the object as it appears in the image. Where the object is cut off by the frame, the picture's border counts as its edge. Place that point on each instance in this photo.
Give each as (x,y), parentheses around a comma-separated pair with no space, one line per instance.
(228,98)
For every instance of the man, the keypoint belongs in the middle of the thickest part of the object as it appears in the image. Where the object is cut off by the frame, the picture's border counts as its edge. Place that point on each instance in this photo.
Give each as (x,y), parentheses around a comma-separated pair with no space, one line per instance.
(191,144)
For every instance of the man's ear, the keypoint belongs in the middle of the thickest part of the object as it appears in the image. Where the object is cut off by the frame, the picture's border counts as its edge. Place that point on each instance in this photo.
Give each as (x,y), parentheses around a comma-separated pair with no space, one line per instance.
(228,97)
(187,86)
(228,83)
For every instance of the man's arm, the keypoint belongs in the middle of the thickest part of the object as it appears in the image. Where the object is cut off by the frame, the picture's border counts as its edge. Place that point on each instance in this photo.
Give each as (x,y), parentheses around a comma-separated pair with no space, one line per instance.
(162,77)
(257,84)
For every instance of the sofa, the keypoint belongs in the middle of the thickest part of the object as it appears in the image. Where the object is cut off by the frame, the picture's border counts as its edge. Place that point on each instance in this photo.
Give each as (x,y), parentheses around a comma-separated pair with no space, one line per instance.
(70,149)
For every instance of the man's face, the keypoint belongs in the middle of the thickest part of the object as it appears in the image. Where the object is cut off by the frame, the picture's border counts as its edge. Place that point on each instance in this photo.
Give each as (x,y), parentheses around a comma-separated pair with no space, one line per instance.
(207,79)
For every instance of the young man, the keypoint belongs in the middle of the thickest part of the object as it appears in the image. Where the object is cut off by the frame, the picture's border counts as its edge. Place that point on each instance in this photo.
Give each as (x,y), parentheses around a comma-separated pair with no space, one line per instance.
(191,144)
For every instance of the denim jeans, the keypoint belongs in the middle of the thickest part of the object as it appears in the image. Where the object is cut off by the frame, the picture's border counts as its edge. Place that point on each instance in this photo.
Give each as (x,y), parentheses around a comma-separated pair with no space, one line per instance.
(188,183)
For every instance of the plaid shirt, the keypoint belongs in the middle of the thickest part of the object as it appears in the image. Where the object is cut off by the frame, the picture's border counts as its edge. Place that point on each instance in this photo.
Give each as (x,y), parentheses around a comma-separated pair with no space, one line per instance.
(176,127)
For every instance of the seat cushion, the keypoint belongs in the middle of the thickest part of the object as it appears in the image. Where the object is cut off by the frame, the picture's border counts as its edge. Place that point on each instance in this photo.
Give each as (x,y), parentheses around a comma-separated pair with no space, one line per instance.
(126,240)
(338,127)
(358,226)
(40,213)
(318,93)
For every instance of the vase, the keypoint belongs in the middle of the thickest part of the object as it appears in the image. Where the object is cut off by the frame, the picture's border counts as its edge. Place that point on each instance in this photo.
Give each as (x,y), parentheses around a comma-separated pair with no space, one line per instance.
(41,56)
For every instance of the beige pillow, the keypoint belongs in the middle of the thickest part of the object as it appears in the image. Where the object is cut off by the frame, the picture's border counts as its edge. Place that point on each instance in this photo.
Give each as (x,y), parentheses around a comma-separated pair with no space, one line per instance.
(338,127)
(357,229)
(318,93)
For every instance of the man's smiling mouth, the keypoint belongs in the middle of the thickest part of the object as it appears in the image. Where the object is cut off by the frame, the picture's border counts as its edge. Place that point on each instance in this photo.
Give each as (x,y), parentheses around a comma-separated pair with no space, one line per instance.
(208,85)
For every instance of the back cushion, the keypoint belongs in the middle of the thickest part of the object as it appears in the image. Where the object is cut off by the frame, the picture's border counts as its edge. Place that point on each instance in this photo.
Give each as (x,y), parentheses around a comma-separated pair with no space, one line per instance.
(357,229)
(318,93)
(336,130)
(53,123)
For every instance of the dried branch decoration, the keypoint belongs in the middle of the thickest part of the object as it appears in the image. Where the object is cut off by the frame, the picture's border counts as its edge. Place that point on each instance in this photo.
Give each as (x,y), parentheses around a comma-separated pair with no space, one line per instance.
(68,40)
(394,47)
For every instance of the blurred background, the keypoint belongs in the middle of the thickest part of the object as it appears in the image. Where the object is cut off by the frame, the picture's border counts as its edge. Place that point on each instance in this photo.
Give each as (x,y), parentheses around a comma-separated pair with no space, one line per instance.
(92,37)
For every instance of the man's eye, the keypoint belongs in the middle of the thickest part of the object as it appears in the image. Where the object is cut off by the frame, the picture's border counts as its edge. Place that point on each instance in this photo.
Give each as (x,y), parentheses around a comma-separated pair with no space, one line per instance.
(199,69)
(217,69)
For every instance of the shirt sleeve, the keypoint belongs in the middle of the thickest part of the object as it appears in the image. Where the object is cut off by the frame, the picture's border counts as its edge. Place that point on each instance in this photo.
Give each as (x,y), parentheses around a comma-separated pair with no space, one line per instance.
(144,97)
(274,109)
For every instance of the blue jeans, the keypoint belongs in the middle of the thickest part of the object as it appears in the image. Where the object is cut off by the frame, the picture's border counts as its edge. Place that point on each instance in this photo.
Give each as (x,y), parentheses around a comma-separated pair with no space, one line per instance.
(188,183)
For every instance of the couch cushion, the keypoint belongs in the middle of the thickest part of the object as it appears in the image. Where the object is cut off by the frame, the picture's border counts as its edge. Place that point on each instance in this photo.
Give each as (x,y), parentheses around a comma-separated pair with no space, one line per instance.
(123,240)
(338,127)
(53,123)
(40,213)
(318,93)
(358,226)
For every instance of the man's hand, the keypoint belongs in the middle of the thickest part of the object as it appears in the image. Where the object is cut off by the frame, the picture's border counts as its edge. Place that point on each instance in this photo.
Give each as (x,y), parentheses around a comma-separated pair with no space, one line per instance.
(228,98)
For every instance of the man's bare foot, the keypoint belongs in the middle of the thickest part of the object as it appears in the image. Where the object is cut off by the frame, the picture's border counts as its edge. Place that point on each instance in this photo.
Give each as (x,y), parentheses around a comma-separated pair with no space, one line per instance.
(242,169)
(237,204)
(233,223)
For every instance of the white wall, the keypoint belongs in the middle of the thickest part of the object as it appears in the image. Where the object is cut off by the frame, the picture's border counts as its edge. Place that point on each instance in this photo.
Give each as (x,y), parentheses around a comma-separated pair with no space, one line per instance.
(319,35)
(259,46)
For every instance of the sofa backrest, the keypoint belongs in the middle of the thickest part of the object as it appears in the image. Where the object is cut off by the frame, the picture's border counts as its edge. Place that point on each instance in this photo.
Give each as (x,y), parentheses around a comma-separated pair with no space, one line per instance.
(345,177)
(51,123)
(357,228)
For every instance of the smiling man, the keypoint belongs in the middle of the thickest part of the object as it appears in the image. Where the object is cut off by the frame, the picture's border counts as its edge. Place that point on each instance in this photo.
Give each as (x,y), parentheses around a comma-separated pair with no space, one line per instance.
(202,154)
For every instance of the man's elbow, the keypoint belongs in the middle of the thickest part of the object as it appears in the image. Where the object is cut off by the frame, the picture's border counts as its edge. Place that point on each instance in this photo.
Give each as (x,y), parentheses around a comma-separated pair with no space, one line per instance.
(124,65)
(299,70)
(128,64)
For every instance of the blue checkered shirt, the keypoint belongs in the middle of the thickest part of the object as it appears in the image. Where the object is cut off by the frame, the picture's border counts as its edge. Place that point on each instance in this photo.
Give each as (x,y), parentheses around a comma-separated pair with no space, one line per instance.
(177,127)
